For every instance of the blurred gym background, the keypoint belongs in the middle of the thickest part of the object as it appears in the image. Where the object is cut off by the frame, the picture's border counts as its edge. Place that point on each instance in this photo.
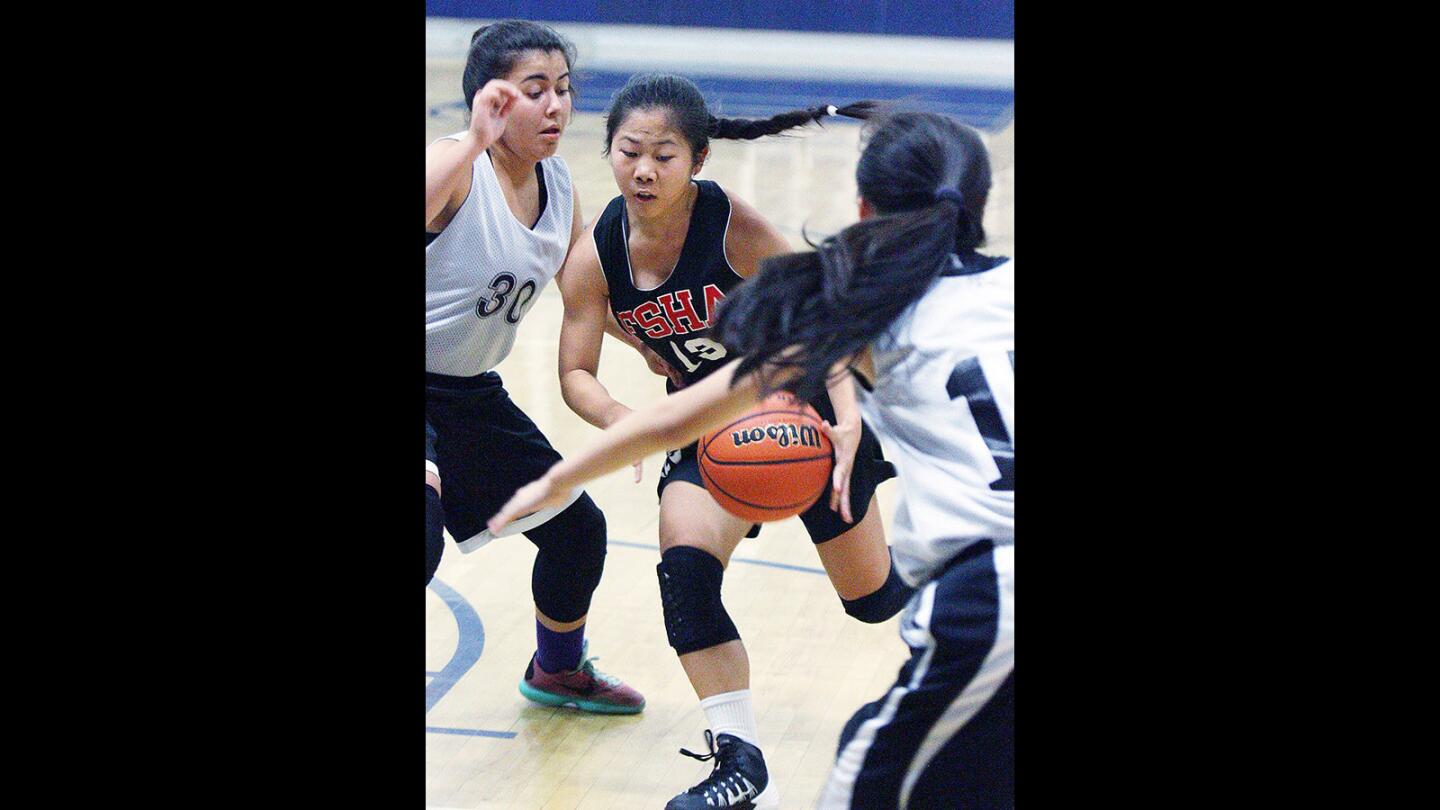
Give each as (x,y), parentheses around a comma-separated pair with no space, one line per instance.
(758,57)
(754,58)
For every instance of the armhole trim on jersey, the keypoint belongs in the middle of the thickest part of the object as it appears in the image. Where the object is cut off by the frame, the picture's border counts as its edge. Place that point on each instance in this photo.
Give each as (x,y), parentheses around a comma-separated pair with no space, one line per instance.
(550,180)
(725,235)
(543,178)
(469,195)
(600,260)
(860,380)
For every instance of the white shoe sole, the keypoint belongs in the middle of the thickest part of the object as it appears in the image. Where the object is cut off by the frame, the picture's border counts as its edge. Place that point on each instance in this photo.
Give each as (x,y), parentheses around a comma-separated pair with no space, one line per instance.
(769,799)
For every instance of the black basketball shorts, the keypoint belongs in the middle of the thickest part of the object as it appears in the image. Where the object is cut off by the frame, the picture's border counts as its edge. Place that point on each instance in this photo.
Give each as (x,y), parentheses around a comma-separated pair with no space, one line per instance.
(486,448)
(430,445)
(943,735)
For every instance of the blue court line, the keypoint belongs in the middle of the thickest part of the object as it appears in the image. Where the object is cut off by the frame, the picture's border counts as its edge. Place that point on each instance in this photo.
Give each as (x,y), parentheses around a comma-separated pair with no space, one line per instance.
(467,650)
(751,561)
(472,641)
(470,732)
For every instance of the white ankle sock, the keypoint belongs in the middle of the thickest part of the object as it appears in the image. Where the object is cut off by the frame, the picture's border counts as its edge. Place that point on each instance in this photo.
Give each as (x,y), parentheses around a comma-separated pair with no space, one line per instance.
(731,713)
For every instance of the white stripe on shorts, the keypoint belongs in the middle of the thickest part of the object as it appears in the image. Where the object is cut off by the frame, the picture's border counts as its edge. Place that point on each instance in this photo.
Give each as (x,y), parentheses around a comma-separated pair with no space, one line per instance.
(524,524)
(841,785)
(993,670)
(998,663)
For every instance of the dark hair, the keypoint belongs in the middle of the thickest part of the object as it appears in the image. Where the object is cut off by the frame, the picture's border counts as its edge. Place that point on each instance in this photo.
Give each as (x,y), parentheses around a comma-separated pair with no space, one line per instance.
(494,49)
(690,115)
(832,302)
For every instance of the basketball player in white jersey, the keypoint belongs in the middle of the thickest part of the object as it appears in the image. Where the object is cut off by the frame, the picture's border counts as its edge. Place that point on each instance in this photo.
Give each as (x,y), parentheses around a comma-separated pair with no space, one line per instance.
(928,327)
(500,217)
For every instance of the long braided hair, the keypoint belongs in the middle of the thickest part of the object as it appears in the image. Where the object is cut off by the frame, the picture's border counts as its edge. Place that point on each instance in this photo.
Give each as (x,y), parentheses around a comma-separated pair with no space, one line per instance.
(927,175)
(691,117)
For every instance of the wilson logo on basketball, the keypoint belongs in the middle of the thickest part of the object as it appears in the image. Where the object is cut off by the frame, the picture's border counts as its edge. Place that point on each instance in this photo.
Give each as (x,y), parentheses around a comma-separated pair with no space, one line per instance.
(782,434)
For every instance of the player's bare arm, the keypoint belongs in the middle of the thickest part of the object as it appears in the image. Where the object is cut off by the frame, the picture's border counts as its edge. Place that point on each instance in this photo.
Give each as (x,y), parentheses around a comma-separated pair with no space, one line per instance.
(612,326)
(586,296)
(675,421)
(448,162)
(751,238)
(844,437)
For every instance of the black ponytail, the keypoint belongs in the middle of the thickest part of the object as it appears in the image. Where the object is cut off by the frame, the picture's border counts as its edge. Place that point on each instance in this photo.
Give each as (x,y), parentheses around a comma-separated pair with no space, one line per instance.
(690,116)
(808,311)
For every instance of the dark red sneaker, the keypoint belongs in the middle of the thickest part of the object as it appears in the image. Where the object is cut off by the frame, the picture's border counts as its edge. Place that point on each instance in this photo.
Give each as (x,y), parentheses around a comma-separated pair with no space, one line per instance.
(586,688)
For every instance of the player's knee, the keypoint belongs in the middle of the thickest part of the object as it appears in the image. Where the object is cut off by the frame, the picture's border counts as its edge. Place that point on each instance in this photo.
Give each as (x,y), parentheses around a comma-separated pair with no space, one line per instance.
(570,560)
(884,602)
(434,532)
(695,618)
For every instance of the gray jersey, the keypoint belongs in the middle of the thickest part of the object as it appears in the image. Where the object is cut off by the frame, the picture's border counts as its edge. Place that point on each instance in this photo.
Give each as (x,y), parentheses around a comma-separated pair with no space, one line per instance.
(944,407)
(485,269)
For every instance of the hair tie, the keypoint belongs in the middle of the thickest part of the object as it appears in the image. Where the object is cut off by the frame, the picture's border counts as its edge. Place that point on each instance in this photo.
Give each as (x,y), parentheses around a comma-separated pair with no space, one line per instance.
(950,194)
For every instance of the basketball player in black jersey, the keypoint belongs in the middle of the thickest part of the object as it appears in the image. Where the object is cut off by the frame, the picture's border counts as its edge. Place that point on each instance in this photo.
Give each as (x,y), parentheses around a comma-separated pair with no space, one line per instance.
(661,258)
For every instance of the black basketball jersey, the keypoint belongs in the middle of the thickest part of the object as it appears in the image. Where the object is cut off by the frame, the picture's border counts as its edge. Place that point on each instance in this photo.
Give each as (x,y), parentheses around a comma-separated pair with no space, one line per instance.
(674,318)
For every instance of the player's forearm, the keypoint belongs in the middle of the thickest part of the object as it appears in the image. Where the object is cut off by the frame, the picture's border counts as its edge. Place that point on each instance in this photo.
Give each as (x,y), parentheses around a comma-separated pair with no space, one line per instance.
(614,329)
(590,399)
(673,422)
(841,387)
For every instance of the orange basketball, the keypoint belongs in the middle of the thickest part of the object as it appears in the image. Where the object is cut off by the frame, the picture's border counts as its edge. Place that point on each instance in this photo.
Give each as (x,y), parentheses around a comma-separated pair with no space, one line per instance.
(771,463)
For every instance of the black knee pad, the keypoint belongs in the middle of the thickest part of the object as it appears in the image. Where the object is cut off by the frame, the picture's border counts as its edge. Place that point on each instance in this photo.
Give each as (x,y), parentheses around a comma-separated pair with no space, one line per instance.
(434,532)
(884,602)
(695,619)
(570,560)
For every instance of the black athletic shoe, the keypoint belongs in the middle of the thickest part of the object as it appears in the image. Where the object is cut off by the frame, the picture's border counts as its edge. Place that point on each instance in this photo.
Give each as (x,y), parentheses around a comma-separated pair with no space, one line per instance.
(739,776)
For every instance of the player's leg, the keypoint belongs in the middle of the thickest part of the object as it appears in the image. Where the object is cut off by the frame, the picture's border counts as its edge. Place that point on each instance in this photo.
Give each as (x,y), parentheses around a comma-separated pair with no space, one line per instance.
(434,513)
(569,561)
(942,736)
(488,448)
(697,538)
(855,555)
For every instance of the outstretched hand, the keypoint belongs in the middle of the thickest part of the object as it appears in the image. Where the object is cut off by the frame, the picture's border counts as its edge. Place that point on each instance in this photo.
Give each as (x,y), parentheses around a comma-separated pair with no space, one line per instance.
(845,439)
(534,496)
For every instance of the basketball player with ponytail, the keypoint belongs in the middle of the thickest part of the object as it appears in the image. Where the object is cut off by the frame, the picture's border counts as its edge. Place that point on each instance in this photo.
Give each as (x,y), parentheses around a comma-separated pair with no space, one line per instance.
(904,300)
(661,257)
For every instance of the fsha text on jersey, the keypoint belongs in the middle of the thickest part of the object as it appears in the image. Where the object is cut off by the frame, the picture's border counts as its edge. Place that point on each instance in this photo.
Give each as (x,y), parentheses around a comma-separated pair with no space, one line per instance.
(671,314)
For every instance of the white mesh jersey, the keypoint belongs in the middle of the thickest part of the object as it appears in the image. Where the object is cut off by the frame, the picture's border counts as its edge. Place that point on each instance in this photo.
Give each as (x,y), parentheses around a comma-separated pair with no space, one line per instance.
(484,270)
(943,406)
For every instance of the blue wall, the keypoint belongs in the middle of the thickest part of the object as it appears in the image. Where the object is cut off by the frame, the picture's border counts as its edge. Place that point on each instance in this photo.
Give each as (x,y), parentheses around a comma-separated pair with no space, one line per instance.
(986,19)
